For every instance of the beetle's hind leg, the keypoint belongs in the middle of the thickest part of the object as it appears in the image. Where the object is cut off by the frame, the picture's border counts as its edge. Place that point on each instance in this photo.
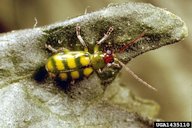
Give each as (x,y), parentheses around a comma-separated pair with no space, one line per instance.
(78,29)
(106,35)
(53,50)
(50,48)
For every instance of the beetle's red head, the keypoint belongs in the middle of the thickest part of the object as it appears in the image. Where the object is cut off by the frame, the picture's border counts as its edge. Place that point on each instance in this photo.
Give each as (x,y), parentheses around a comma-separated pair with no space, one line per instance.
(108,57)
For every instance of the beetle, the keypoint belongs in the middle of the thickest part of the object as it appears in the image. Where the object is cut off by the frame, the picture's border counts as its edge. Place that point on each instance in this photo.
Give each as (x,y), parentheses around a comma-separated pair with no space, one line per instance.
(73,65)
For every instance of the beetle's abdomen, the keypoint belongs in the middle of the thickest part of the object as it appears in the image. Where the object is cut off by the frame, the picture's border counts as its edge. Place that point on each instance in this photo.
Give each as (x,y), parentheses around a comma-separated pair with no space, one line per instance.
(69,66)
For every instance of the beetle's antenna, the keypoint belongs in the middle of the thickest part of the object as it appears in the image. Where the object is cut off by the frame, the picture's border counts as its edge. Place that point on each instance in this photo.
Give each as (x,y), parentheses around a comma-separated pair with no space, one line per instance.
(132,42)
(106,35)
(135,76)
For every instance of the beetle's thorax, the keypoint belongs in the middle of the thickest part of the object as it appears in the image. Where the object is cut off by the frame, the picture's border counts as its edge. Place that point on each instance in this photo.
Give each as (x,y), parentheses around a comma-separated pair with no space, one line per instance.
(97,60)
(100,59)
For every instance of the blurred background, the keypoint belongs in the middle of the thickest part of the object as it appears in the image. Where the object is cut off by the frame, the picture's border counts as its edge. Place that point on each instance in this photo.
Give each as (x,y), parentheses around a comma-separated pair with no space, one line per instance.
(169,68)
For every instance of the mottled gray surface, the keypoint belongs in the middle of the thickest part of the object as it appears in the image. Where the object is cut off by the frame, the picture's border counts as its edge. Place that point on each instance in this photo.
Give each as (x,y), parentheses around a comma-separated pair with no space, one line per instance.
(129,21)
(29,103)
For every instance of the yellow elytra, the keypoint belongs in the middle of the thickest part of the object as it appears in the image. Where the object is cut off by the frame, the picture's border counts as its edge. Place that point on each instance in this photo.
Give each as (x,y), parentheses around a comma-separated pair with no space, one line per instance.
(70,65)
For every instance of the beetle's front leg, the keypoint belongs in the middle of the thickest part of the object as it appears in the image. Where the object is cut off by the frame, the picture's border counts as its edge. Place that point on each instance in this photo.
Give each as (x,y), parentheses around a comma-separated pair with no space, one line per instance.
(114,64)
(100,71)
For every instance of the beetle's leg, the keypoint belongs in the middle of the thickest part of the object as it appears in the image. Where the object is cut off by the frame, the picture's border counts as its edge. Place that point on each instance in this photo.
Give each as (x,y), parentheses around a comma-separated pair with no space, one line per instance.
(106,35)
(52,75)
(100,71)
(65,50)
(78,28)
(49,47)
(114,64)
(72,82)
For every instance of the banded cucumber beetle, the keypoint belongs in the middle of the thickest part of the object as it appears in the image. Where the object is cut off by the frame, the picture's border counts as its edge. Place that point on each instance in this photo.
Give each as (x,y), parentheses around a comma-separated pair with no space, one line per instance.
(70,66)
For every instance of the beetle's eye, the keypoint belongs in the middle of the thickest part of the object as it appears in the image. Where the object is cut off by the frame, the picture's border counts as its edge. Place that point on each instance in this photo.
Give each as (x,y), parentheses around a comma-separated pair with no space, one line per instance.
(108,52)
